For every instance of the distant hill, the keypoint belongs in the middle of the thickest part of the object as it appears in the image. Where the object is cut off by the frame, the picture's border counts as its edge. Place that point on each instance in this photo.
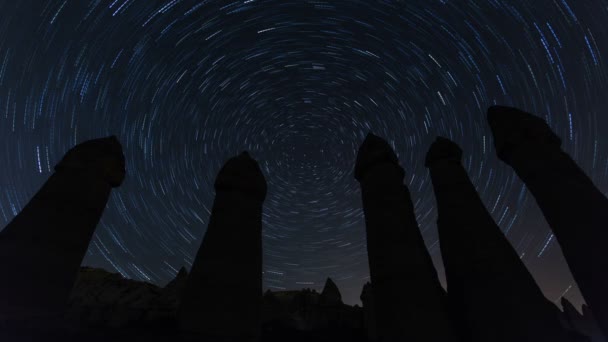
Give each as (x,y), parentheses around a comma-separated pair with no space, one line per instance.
(105,306)
(106,302)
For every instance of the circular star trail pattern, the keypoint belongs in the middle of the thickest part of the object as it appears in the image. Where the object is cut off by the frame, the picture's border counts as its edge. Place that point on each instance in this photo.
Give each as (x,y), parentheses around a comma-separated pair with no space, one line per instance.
(185,85)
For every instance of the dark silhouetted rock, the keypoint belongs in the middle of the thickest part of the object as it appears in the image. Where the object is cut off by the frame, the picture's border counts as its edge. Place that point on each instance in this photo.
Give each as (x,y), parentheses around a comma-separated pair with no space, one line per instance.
(223,294)
(492,295)
(369,313)
(569,309)
(42,248)
(307,311)
(330,294)
(174,289)
(105,306)
(580,325)
(409,300)
(575,209)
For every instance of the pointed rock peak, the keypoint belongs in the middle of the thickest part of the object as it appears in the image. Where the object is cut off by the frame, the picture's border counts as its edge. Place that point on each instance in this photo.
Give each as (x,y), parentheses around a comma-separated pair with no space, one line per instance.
(569,309)
(180,279)
(586,311)
(374,150)
(331,293)
(366,293)
(330,286)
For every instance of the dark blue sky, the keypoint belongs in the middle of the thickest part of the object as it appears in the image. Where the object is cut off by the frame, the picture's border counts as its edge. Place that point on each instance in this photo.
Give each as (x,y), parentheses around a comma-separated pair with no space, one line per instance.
(187,84)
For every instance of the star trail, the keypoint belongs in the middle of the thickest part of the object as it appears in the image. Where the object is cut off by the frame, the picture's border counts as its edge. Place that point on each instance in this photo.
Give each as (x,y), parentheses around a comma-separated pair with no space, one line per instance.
(185,85)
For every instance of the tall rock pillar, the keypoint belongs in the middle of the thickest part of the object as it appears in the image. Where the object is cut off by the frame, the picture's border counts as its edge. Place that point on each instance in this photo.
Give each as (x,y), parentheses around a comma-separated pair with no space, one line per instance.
(223,295)
(42,248)
(409,300)
(490,291)
(575,209)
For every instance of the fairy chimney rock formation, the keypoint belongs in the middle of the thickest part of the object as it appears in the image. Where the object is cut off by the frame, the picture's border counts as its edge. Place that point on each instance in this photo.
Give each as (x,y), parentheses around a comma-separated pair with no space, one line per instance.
(223,294)
(42,248)
(398,259)
(576,210)
(490,290)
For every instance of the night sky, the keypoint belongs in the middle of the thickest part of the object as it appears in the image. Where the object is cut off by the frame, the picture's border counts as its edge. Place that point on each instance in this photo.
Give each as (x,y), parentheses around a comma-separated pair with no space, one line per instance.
(185,85)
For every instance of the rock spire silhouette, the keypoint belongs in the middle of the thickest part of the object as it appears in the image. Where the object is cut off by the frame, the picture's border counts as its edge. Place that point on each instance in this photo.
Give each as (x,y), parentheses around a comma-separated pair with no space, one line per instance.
(222,298)
(574,207)
(409,300)
(492,295)
(42,248)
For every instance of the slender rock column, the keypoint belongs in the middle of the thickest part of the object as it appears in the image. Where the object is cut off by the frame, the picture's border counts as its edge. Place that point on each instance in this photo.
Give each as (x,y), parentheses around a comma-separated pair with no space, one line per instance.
(409,300)
(42,248)
(223,295)
(575,209)
(491,293)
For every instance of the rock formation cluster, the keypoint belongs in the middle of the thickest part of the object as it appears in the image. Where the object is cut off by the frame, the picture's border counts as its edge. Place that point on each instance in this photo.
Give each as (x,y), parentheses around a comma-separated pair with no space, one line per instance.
(576,210)
(399,262)
(480,262)
(490,297)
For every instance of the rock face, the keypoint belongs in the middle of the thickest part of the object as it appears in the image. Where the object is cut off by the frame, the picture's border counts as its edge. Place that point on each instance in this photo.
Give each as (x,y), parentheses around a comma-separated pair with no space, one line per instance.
(222,294)
(575,209)
(41,248)
(399,262)
(490,291)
